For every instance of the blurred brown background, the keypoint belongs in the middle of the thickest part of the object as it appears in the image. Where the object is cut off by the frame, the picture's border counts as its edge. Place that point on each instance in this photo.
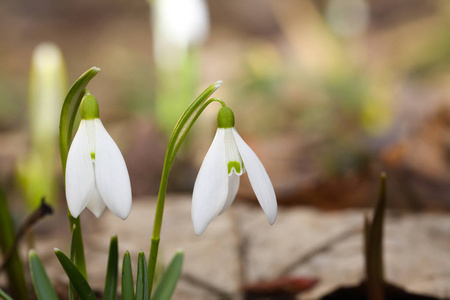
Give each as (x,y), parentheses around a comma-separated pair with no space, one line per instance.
(327,93)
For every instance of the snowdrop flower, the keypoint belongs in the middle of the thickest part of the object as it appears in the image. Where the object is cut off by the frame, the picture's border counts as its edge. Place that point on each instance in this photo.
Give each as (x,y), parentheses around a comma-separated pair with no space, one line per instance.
(96,174)
(177,26)
(217,182)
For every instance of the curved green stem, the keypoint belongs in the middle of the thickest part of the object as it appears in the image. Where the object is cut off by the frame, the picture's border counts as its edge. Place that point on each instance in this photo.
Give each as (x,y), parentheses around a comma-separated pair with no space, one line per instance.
(179,133)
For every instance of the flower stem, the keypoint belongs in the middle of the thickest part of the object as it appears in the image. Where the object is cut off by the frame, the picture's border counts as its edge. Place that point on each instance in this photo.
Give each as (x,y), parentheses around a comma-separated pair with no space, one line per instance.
(179,133)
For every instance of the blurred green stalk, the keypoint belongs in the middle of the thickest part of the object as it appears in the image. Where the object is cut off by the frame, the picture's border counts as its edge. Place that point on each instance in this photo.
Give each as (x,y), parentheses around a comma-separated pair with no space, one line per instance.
(175,89)
(14,267)
(48,85)
(177,38)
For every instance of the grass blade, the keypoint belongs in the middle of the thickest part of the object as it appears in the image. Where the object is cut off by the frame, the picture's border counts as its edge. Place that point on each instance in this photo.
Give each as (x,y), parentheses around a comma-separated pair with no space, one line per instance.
(4,295)
(127,278)
(42,285)
(79,282)
(169,280)
(142,278)
(14,267)
(110,290)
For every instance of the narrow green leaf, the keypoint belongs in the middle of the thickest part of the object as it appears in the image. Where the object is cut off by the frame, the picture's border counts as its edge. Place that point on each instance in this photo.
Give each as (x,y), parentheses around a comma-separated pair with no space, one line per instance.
(112,270)
(14,267)
(4,295)
(170,278)
(127,278)
(142,278)
(42,285)
(79,282)
(374,248)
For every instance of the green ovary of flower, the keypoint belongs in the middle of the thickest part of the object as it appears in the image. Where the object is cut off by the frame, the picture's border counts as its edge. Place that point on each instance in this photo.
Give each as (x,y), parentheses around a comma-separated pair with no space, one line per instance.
(89,108)
(225,118)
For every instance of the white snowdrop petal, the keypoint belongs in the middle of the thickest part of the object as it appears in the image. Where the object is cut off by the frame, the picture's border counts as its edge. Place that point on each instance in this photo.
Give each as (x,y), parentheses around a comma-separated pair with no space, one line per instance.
(96,204)
(111,173)
(233,159)
(80,178)
(211,186)
(233,187)
(260,181)
(182,23)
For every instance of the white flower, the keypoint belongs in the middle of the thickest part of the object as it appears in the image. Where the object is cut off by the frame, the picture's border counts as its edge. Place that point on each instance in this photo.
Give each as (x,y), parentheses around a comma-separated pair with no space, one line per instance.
(177,26)
(96,174)
(217,182)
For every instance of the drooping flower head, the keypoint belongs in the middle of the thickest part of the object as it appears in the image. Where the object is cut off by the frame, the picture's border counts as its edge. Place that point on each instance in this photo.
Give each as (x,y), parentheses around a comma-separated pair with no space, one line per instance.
(217,182)
(96,174)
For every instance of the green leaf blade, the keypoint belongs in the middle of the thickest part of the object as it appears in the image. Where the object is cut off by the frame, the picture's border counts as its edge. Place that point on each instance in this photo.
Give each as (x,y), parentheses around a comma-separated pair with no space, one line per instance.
(142,278)
(127,278)
(79,282)
(41,283)
(110,289)
(4,295)
(14,267)
(169,280)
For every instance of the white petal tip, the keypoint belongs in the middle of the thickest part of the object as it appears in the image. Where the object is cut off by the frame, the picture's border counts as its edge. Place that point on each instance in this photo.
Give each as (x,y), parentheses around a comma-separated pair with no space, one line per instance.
(122,212)
(200,220)
(218,84)
(123,216)
(198,233)
(199,228)
(97,215)
(75,213)
(272,218)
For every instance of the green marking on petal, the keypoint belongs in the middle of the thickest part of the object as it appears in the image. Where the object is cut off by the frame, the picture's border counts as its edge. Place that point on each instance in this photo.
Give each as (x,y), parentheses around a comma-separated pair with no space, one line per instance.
(234,165)
(93,155)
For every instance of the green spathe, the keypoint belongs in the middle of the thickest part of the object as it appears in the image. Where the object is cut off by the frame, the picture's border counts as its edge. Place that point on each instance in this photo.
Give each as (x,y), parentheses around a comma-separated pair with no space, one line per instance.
(89,108)
(225,118)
